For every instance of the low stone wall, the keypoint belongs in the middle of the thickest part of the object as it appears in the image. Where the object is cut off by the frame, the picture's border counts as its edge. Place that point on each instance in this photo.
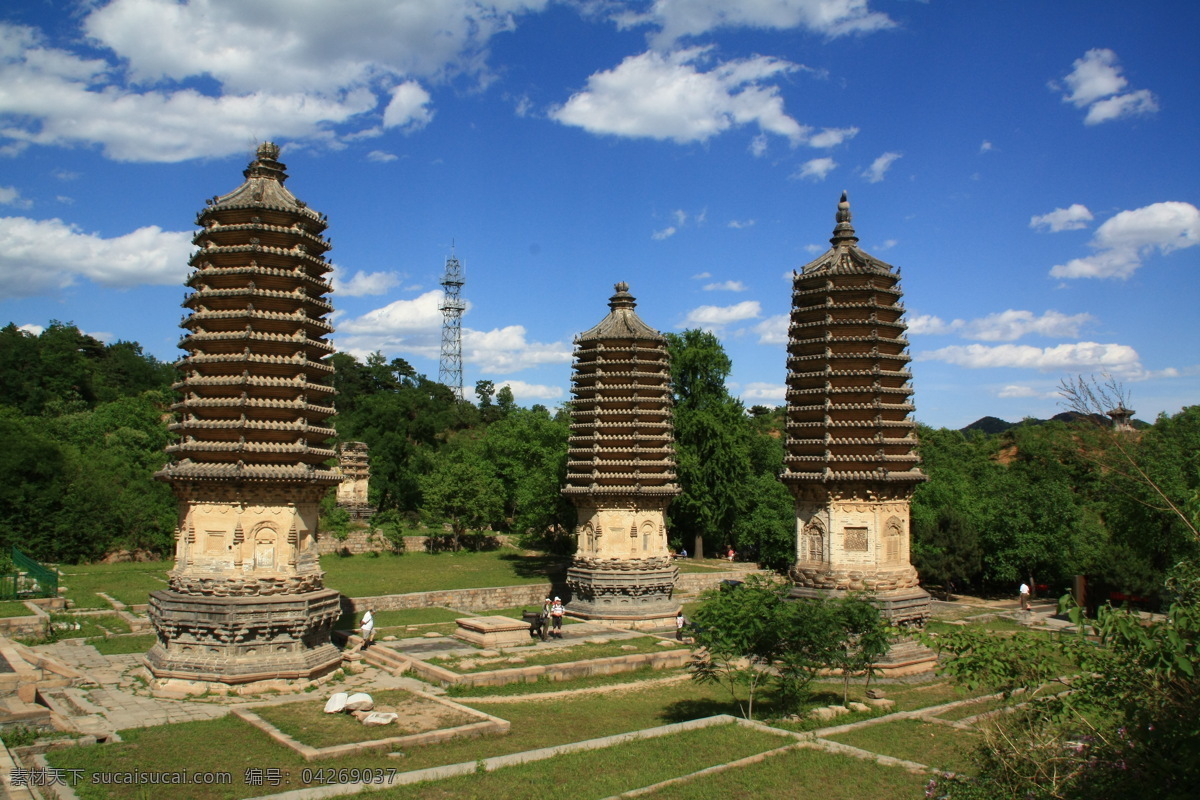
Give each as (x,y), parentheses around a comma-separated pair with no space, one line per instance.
(532,595)
(555,672)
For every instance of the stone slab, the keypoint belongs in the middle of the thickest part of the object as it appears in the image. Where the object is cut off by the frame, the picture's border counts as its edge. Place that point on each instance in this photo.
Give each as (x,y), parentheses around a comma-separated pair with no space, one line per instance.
(493,632)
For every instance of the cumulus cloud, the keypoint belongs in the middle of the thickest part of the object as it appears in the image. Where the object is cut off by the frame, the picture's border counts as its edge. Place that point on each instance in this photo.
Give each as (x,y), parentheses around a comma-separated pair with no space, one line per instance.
(758,391)
(11,196)
(725,286)
(1074,357)
(39,256)
(409,107)
(879,167)
(1096,83)
(296,70)
(1125,240)
(678,18)
(364,283)
(381,156)
(413,327)
(718,316)
(531,391)
(666,96)
(664,233)
(831,137)
(1073,218)
(31,329)
(1003,326)
(815,170)
(773,330)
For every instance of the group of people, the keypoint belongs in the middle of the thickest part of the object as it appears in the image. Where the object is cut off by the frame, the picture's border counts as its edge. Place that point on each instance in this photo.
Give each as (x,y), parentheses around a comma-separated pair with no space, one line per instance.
(554,611)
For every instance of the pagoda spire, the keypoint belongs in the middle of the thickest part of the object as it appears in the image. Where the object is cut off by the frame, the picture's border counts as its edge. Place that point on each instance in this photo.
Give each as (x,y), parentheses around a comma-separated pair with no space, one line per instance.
(843,232)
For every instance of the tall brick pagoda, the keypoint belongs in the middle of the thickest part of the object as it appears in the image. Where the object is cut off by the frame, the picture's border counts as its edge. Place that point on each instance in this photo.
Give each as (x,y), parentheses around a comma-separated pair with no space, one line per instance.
(246,601)
(621,471)
(851,460)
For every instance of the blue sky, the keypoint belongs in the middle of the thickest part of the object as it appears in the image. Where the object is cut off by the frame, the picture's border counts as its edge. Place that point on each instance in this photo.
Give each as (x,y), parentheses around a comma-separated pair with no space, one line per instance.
(1031,167)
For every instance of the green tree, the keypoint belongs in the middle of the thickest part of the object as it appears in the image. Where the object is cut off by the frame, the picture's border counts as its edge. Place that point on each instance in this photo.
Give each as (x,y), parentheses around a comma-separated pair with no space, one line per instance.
(461,488)
(947,550)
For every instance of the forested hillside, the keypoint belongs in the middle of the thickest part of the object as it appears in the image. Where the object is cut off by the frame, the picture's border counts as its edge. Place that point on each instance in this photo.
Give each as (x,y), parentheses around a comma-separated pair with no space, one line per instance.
(84,426)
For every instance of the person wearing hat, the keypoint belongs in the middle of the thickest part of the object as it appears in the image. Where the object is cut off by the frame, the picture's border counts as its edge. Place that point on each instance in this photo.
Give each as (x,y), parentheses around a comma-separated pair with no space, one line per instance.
(368,629)
(556,615)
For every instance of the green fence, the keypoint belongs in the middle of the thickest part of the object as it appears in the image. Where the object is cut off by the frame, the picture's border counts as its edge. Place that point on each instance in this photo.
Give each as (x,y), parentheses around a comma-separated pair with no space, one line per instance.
(27,578)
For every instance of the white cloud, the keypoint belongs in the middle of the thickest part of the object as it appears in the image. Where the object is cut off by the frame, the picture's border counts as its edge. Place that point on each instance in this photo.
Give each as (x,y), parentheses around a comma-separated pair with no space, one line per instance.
(773,330)
(699,276)
(815,170)
(664,96)
(739,224)
(293,70)
(717,316)
(812,249)
(381,156)
(364,283)
(986,147)
(398,318)
(531,391)
(665,233)
(1063,219)
(40,256)
(680,216)
(1020,390)
(879,167)
(1075,357)
(1096,83)
(30,328)
(505,350)
(758,391)
(1125,105)
(409,107)
(678,18)
(928,324)
(11,196)
(725,286)
(1127,238)
(1010,325)
(832,137)
(758,145)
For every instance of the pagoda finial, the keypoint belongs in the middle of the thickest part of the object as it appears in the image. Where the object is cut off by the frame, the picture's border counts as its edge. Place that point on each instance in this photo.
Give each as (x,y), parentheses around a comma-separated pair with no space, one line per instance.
(843,232)
(266,163)
(622,298)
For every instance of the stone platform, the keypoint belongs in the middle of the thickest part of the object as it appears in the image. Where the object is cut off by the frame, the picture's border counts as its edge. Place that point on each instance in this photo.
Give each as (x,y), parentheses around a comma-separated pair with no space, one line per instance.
(493,632)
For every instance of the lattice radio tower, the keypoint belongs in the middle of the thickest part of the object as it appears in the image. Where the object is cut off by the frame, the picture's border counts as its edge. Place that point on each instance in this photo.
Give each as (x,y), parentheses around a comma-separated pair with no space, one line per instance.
(450,372)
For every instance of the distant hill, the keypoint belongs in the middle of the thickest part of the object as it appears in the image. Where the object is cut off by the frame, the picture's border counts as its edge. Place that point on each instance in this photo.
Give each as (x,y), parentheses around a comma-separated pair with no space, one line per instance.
(994,425)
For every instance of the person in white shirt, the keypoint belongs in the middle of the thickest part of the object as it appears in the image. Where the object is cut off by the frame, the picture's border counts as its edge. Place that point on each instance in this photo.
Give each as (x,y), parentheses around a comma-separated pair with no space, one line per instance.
(367,629)
(556,615)
(1024,596)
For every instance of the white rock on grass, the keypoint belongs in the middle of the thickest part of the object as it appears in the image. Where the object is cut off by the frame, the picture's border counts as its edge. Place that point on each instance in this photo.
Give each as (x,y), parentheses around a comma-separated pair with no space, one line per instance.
(629,647)
(337,703)
(380,718)
(359,701)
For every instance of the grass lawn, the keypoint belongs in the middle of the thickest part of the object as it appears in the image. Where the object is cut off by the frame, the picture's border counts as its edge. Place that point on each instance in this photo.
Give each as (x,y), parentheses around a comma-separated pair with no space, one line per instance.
(601,773)
(307,722)
(927,743)
(358,576)
(89,626)
(558,655)
(14,608)
(123,645)
(801,775)
(130,583)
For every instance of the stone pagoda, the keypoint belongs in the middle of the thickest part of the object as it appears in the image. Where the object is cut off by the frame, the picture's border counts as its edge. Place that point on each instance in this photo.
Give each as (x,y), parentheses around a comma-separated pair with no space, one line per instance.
(354,463)
(851,460)
(621,471)
(246,601)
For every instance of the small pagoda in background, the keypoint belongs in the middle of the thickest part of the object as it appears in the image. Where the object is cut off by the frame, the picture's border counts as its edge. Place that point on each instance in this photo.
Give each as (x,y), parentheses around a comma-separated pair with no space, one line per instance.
(621,471)
(246,601)
(354,463)
(851,461)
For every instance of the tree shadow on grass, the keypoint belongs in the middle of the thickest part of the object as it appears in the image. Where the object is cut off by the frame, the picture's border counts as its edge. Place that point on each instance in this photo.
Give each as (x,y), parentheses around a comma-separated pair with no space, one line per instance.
(698,708)
(551,567)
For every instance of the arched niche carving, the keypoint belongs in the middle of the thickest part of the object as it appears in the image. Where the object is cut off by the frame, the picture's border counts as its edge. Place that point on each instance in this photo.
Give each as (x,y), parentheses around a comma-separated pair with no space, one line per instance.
(812,542)
(893,539)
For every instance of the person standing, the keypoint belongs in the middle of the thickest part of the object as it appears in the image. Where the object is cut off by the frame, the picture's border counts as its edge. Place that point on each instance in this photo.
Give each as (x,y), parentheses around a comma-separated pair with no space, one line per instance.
(1024,596)
(680,621)
(556,615)
(368,629)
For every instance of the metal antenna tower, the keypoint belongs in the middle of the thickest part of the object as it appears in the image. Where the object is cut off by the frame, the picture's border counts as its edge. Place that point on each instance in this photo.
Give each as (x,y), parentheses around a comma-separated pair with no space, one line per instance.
(450,372)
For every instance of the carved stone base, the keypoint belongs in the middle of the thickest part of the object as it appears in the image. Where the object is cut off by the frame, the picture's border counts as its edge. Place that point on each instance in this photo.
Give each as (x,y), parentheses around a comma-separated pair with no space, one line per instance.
(238,640)
(633,591)
(855,578)
(904,607)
